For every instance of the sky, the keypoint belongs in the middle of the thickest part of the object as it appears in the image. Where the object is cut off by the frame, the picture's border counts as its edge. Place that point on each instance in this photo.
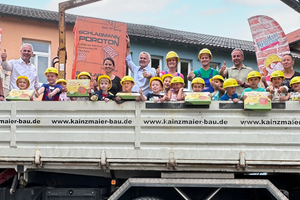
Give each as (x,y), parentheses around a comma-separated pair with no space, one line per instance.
(226,18)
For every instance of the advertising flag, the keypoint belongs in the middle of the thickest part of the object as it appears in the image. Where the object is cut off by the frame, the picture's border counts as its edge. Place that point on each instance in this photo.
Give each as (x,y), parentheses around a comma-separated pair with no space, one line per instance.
(95,40)
(270,44)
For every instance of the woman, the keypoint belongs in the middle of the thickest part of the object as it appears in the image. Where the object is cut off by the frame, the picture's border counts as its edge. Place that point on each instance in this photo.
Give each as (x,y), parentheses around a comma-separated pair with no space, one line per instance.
(172,60)
(287,63)
(109,66)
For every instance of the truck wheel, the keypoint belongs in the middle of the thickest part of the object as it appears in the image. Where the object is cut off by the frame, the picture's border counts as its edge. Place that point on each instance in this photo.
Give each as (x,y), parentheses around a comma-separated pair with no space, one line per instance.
(147,198)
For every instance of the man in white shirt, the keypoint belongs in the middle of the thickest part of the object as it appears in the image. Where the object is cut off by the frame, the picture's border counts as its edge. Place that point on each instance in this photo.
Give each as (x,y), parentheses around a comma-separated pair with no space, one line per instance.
(21,67)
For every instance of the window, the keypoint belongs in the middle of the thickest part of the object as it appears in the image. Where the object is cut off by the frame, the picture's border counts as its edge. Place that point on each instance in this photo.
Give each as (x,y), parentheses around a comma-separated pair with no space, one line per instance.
(184,67)
(214,65)
(156,62)
(41,58)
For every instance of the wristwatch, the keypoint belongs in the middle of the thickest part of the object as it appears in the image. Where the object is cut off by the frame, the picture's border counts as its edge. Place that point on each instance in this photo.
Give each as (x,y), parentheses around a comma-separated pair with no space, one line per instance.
(243,85)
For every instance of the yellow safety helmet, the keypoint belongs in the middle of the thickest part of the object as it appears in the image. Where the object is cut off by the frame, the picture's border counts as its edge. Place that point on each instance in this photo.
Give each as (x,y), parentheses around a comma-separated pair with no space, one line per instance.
(107,77)
(177,79)
(166,75)
(217,77)
(253,74)
(172,54)
(270,59)
(230,82)
(198,80)
(51,70)
(205,50)
(127,78)
(24,77)
(296,79)
(156,78)
(277,74)
(84,74)
(61,81)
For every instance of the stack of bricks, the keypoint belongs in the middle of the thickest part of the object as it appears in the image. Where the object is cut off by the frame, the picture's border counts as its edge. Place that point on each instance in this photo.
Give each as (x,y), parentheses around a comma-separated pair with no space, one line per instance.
(268,38)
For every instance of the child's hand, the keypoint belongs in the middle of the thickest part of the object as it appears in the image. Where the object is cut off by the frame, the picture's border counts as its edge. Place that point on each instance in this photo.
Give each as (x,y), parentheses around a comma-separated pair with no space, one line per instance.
(271,89)
(118,98)
(50,95)
(162,99)
(73,98)
(95,83)
(282,89)
(244,97)
(89,90)
(106,100)
(138,99)
(141,91)
(235,100)
(158,71)
(64,90)
(37,94)
(94,98)
(180,90)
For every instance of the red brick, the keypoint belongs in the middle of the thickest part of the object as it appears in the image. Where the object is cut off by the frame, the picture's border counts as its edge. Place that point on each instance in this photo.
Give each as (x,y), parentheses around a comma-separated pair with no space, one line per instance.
(275,23)
(282,34)
(260,39)
(258,34)
(267,52)
(254,21)
(272,31)
(260,61)
(266,19)
(258,27)
(283,49)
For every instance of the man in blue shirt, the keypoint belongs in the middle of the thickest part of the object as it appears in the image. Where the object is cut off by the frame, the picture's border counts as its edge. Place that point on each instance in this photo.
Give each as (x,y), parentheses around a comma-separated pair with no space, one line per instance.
(141,74)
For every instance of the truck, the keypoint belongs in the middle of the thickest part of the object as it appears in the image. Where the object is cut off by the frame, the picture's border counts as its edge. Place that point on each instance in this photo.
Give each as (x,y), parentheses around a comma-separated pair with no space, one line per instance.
(146,150)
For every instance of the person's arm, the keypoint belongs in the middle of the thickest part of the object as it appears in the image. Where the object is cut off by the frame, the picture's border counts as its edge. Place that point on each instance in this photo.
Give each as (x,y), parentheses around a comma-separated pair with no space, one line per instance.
(180,96)
(1,91)
(285,98)
(142,97)
(5,64)
(54,92)
(36,83)
(191,75)
(40,91)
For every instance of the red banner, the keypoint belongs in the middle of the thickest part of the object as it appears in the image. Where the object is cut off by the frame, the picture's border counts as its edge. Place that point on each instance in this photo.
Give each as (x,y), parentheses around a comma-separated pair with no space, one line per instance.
(270,44)
(95,40)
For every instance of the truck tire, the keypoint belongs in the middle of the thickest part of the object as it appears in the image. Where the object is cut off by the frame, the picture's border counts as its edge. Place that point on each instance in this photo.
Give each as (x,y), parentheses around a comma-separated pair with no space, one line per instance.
(147,198)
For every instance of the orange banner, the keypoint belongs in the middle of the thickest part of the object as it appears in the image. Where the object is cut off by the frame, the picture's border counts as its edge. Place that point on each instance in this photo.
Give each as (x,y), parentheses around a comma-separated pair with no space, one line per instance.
(95,40)
(270,44)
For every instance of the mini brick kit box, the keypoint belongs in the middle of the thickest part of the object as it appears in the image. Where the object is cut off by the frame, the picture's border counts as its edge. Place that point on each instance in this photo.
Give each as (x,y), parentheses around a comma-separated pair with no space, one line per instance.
(20,95)
(78,88)
(198,98)
(258,101)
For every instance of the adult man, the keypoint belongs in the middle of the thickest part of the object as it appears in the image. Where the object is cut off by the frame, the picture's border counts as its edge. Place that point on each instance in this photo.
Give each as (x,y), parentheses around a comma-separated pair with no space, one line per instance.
(21,67)
(141,74)
(238,71)
(205,72)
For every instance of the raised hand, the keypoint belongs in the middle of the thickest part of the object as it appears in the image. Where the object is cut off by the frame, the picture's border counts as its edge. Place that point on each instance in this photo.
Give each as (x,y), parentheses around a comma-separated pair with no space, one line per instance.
(145,74)
(191,75)
(4,55)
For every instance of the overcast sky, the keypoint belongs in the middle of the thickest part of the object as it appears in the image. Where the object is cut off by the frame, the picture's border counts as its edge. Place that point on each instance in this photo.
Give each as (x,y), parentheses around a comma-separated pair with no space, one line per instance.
(227,18)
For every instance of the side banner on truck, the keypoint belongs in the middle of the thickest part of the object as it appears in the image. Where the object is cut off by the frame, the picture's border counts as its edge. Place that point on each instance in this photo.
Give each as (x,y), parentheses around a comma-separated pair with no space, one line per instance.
(95,40)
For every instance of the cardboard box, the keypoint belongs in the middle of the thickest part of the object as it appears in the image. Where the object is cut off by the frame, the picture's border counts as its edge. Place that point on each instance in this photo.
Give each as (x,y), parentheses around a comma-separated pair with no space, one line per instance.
(258,101)
(78,88)
(20,95)
(128,96)
(198,98)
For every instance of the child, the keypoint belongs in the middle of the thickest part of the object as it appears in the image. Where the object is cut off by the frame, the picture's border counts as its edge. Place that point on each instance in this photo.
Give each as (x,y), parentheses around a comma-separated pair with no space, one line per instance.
(230,88)
(172,60)
(167,82)
(127,83)
(51,90)
(63,95)
(156,85)
(217,83)
(104,84)
(278,92)
(176,91)
(253,79)
(295,85)
(85,75)
(197,84)
(23,82)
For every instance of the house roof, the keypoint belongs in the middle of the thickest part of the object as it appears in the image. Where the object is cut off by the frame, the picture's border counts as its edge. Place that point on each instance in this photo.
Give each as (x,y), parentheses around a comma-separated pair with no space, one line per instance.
(144,31)
(293,36)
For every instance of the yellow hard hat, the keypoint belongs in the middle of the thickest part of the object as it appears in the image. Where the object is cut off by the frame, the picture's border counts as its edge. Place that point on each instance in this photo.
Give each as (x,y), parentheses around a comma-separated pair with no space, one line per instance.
(253,74)
(156,78)
(230,82)
(172,54)
(270,59)
(61,81)
(219,77)
(127,78)
(277,74)
(198,80)
(177,79)
(296,79)
(205,50)
(24,77)
(84,74)
(166,75)
(107,77)
(51,70)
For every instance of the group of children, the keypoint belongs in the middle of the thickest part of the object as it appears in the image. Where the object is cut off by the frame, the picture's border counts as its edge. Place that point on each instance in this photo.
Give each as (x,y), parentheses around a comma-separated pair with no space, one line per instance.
(168,87)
